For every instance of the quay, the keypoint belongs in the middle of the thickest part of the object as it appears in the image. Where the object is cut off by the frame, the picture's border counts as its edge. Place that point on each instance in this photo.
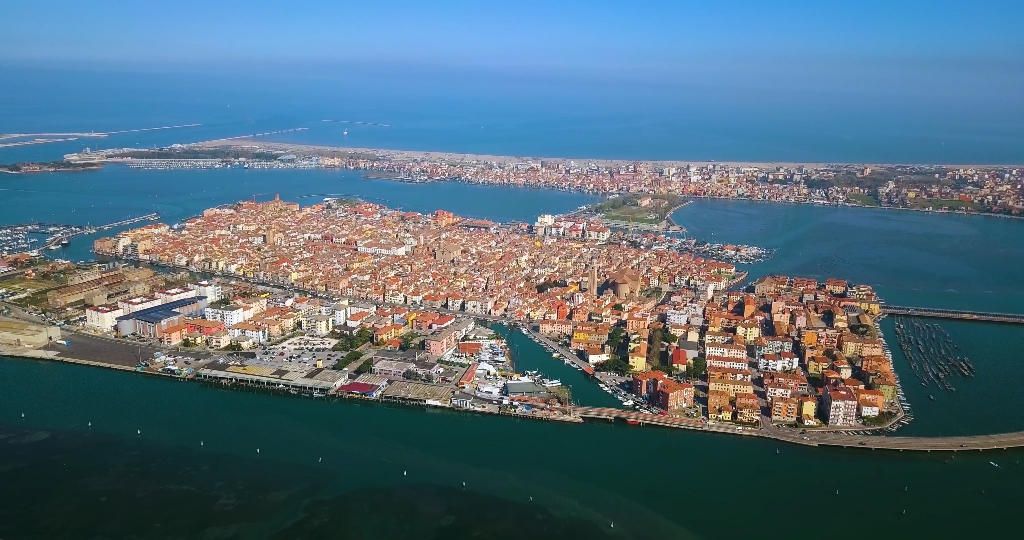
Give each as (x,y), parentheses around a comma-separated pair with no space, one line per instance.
(953,314)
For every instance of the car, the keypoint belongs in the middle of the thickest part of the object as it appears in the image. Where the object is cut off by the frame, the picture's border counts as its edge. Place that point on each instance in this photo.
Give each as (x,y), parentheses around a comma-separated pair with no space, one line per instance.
(805,438)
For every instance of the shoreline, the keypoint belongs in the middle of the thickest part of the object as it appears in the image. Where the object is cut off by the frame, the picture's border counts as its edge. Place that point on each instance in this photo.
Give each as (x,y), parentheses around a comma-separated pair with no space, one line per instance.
(981,443)
(248,141)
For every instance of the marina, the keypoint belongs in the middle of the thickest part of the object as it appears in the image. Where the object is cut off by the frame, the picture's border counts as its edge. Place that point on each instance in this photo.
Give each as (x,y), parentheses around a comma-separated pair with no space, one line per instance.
(933,356)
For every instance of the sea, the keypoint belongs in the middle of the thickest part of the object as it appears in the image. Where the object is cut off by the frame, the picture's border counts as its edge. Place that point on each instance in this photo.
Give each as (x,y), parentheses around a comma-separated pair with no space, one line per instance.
(92,453)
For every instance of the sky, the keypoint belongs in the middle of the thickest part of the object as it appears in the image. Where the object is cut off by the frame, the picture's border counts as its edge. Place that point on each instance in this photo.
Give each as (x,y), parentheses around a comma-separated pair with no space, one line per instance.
(584,35)
(927,66)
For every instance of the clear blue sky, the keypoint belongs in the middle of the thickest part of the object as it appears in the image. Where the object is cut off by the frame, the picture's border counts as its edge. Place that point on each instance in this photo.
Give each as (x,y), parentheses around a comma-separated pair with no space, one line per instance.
(586,35)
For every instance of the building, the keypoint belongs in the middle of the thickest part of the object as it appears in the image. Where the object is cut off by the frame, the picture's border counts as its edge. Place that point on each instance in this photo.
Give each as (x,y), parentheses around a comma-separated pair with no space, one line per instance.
(672,395)
(785,410)
(726,350)
(247,330)
(784,361)
(840,404)
(209,289)
(103,317)
(155,321)
(645,384)
(392,369)
(229,315)
(729,387)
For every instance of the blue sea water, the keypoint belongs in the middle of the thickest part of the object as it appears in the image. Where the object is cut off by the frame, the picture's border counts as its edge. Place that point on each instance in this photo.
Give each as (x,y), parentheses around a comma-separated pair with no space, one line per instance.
(501,114)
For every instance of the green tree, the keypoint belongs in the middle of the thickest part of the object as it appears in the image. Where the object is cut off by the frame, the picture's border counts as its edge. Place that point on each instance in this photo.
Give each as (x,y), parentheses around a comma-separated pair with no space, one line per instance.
(697,367)
(411,375)
(365,367)
(407,339)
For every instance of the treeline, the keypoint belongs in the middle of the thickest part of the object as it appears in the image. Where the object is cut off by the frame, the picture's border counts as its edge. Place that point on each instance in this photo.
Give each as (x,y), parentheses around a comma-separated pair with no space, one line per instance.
(202,153)
(49,166)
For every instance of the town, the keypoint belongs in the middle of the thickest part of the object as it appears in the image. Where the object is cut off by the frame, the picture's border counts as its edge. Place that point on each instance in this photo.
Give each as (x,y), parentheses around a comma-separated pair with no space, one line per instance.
(980,189)
(347,298)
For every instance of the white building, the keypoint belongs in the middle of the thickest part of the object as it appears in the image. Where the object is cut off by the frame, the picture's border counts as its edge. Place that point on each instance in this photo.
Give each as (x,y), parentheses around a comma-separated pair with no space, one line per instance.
(785,361)
(209,289)
(249,330)
(726,350)
(170,295)
(229,315)
(132,305)
(103,317)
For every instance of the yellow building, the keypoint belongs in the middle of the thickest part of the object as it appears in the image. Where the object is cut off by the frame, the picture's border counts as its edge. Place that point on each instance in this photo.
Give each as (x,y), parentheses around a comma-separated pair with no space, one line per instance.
(637,362)
(748,331)
(808,409)
(730,387)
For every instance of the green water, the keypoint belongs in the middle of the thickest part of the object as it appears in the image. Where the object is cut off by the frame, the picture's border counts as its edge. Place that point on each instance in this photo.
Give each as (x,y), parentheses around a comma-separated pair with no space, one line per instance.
(63,479)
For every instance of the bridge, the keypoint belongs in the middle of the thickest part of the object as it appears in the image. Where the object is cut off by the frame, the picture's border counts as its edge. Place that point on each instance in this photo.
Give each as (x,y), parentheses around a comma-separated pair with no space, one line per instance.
(953,314)
(812,437)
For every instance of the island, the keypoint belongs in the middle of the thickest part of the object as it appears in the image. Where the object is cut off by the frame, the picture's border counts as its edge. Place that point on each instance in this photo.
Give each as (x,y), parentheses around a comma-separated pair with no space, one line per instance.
(346,299)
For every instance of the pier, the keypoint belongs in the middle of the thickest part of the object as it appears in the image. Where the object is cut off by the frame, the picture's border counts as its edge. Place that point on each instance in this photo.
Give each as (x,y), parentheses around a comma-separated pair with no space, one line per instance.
(953,314)
(56,239)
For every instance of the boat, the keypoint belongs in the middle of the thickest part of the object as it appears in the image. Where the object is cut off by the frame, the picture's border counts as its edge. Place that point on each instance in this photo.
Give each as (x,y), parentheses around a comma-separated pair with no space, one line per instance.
(555,355)
(931,397)
(628,403)
(551,383)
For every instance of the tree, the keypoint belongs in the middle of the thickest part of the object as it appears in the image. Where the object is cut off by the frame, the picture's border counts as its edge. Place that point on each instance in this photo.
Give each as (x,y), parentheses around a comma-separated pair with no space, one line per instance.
(407,339)
(697,367)
(613,366)
(412,375)
(615,337)
(365,367)
(232,347)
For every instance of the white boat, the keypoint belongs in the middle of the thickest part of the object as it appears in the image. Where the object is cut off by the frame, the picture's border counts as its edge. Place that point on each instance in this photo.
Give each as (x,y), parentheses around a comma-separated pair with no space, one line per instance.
(551,383)
(628,403)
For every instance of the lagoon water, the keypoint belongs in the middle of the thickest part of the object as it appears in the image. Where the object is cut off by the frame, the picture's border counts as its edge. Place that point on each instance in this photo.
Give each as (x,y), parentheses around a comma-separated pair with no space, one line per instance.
(649,482)
(61,479)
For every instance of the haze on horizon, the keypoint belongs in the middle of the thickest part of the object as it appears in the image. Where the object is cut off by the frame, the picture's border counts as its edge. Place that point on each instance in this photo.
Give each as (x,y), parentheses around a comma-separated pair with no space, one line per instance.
(925,72)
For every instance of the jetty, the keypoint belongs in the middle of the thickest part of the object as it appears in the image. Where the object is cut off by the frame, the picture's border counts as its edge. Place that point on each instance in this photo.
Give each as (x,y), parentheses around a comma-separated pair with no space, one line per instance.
(58,238)
(964,315)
